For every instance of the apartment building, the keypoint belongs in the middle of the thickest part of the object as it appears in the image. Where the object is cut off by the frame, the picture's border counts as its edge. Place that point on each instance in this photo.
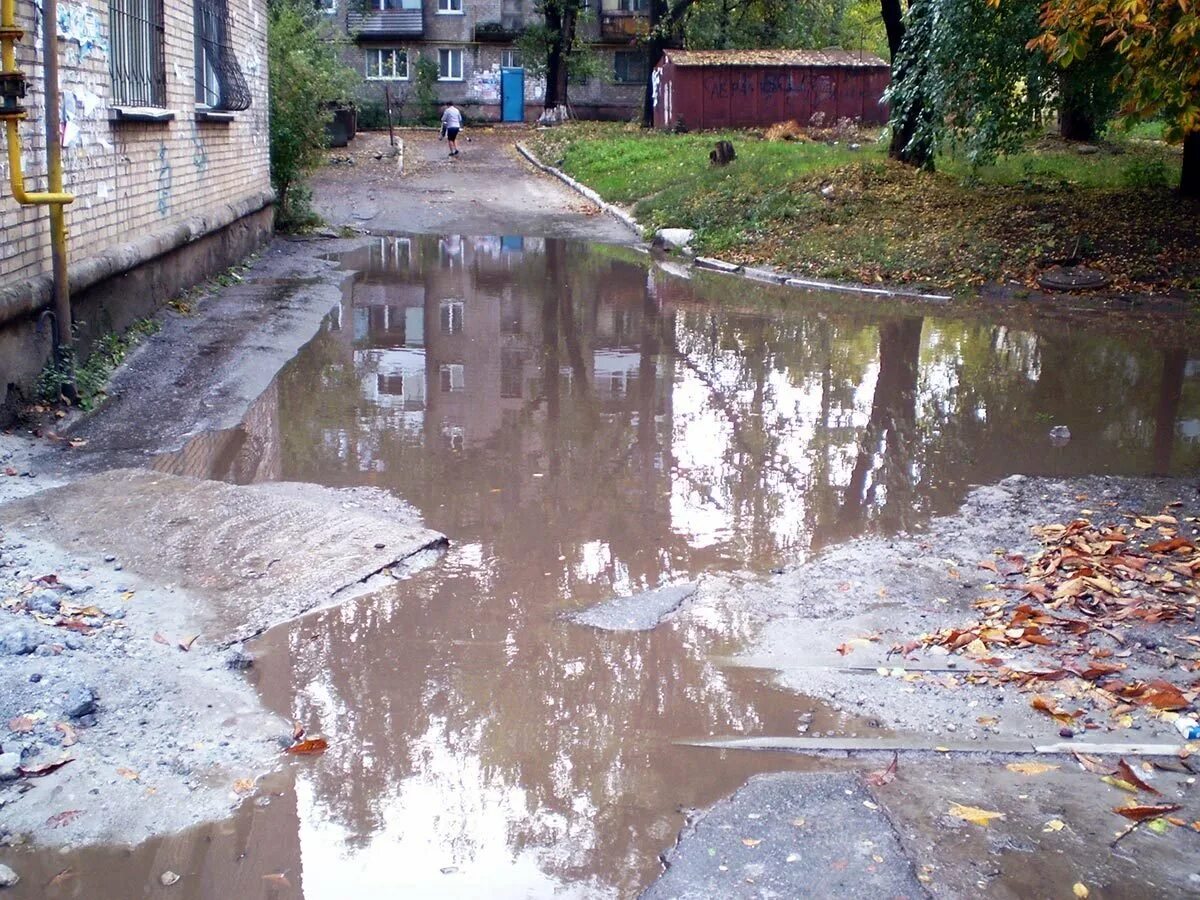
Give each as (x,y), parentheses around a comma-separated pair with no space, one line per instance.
(165,150)
(473,43)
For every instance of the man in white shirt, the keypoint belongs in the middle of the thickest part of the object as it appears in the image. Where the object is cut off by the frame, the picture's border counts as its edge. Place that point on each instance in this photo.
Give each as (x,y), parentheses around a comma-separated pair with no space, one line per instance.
(451,125)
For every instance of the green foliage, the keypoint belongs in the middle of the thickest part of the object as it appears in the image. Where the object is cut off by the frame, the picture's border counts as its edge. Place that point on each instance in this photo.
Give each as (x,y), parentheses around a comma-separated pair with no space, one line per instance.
(746,24)
(977,87)
(425,91)
(306,80)
(91,378)
(1145,173)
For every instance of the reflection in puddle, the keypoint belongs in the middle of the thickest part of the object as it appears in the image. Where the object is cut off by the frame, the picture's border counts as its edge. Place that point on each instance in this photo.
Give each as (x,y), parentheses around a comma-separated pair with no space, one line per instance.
(582,426)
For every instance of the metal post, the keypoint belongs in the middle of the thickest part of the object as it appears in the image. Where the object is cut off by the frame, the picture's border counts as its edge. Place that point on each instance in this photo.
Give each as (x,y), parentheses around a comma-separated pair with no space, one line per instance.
(58,219)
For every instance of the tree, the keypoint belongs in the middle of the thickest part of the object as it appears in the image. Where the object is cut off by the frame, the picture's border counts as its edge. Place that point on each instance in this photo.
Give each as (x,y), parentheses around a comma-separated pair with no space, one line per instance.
(666,20)
(908,45)
(554,50)
(1157,44)
(306,80)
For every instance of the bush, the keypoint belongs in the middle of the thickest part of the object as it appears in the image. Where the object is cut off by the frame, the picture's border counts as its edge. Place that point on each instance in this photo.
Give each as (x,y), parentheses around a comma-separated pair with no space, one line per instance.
(306,80)
(1145,173)
(425,92)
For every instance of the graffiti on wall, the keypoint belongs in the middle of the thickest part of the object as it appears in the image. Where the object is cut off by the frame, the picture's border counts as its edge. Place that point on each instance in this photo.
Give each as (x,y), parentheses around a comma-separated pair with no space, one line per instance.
(770,84)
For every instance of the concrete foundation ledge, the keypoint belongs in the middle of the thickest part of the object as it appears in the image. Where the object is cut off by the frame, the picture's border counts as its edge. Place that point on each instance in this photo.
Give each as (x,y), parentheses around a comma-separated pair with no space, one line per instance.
(114,288)
(33,295)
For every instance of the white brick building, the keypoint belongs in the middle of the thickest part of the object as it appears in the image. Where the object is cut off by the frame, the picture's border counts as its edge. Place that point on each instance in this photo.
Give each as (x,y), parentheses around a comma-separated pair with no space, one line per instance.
(165,147)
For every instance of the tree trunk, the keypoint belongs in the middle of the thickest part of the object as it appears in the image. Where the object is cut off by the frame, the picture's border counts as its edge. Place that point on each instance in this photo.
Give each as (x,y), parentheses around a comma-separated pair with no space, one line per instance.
(554,59)
(1076,121)
(655,45)
(893,22)
(1189,179)
(907,45)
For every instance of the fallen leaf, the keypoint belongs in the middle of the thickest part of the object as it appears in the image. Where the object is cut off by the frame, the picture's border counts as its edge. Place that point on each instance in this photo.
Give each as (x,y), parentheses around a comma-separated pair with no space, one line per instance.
(1126,773)
(186,643)
(316,745)
(64,818)
(1030,768)
(1120,783)
(988,720)
(1158,826)
(127,774)
(243,786)
(1080,890)
(1140,813)
(159,639)
(168,878)
(974,814)
(20,725)
(751,842)
(1054,825)
(68,733)
(61,878)
(885,776)
(44,768)
(1172,545)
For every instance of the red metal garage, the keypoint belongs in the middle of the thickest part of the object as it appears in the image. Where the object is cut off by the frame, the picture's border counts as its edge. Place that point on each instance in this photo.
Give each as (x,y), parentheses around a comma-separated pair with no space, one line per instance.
(748,88)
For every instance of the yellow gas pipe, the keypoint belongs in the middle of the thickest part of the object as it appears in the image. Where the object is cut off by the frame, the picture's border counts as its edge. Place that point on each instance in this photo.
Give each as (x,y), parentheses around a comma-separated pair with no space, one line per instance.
(9,35)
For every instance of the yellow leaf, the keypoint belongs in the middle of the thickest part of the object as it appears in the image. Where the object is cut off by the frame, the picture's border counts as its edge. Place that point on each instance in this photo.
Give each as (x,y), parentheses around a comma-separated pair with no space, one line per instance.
(1080,890)
(974,814)
(1054,825)
(127,774)
(243,786)
(1030,768)
(751,842)
(1119,783)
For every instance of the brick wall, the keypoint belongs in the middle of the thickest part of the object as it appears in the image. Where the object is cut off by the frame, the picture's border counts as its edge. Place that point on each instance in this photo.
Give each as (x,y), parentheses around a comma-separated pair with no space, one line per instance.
(131,179)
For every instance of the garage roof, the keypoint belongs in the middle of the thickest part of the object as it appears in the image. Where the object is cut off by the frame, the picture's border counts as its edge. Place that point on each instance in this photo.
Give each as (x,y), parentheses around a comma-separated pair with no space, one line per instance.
(830,57)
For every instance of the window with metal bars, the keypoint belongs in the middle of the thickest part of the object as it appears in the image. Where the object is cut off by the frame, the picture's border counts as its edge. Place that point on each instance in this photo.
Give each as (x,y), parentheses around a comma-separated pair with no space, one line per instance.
(136,53)
(219,80)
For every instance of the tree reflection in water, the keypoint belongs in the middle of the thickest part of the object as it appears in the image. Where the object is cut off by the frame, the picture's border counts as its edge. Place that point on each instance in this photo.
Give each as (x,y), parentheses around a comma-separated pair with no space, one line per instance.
(581,426)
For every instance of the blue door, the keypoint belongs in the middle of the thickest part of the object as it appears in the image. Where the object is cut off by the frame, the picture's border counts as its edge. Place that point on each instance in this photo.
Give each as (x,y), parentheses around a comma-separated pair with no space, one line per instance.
(512,95)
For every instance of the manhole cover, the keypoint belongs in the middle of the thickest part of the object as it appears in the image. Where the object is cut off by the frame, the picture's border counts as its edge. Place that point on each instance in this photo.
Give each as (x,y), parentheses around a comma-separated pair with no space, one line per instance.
(1072,278)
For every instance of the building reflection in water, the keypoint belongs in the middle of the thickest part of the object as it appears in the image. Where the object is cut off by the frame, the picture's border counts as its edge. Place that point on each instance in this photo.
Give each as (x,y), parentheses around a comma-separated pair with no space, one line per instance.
(582,425)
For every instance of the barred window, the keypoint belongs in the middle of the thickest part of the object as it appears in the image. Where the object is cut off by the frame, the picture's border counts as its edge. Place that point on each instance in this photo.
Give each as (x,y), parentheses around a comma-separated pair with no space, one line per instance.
(219,80)
(136,56)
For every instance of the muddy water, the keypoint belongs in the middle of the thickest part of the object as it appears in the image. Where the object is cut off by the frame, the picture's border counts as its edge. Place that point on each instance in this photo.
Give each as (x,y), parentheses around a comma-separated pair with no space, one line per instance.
(582,426)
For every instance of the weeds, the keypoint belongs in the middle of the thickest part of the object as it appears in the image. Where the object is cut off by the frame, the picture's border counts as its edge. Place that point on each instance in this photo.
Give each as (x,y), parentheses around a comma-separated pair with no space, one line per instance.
(91,376)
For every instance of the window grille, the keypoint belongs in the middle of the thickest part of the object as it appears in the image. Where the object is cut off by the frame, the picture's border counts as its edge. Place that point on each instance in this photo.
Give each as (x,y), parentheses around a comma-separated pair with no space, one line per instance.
(219,80)
(136,55)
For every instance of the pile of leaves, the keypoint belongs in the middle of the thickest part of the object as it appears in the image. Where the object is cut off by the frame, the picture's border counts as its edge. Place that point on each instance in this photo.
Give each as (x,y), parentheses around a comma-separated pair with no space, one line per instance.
(1079,614)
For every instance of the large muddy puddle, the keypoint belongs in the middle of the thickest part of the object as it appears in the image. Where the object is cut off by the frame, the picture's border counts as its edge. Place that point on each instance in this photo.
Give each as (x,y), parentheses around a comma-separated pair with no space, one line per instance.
(583,425)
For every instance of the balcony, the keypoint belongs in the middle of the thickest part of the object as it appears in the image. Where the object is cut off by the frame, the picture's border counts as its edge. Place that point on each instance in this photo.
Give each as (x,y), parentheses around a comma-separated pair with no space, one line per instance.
(385,23)
(504,32)
(622,25)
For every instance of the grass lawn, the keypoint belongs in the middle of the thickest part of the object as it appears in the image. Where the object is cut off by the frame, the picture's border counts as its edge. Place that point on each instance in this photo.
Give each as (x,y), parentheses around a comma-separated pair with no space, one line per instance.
(823,209)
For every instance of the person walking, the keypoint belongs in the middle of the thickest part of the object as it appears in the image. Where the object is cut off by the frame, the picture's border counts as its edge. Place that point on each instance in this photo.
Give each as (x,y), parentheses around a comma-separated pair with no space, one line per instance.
(451,126)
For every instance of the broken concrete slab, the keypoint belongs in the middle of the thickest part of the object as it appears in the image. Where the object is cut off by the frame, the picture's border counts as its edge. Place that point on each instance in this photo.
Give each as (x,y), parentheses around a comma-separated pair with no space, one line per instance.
(789,835)
(257,555)
(638,612)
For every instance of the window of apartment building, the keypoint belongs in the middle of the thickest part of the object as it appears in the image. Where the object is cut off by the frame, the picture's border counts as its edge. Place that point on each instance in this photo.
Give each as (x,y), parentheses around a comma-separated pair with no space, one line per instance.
(387,64)
(329,7)
(450,65)
(634,6)
(452,316)
(629,66)
(450,7)
(511,59)
(136,52)
(452,378)
(219,80)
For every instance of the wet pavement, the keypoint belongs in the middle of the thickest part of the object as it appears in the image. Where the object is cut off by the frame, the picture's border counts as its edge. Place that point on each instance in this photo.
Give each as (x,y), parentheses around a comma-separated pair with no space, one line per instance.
(583,426)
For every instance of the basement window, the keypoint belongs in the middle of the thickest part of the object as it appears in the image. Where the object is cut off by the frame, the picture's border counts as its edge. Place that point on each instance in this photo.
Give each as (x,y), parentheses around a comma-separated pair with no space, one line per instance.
(136,55)
(220,84)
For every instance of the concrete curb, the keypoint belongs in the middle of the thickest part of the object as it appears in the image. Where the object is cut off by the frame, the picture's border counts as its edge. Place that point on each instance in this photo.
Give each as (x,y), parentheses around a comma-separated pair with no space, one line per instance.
(787,279)
(615,211)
